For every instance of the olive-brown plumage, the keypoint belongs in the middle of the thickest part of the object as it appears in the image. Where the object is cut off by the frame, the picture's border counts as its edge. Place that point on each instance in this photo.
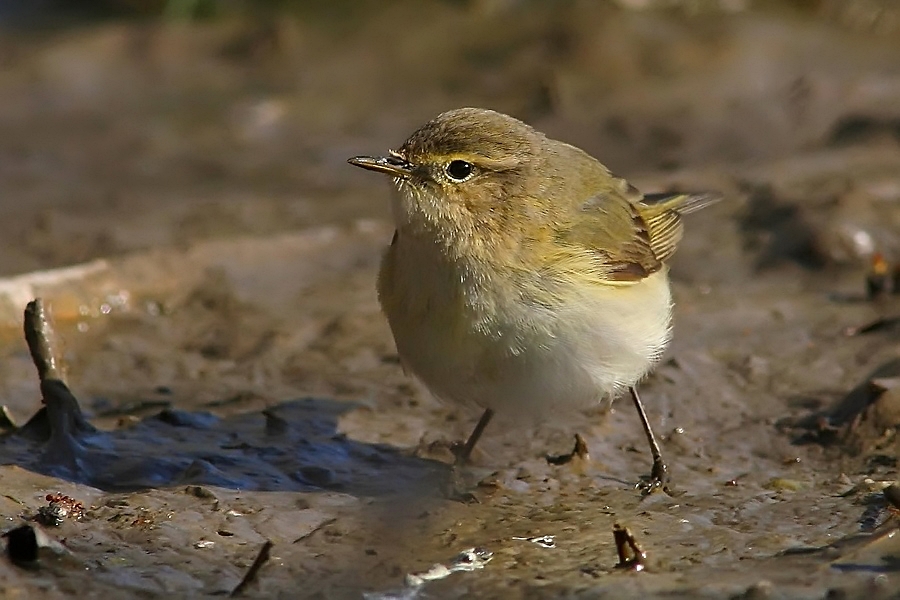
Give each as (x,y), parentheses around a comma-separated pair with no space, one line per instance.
(523,275)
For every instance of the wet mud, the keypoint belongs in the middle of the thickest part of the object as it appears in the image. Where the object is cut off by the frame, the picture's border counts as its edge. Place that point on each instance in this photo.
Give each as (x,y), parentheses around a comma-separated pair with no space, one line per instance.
(225,412)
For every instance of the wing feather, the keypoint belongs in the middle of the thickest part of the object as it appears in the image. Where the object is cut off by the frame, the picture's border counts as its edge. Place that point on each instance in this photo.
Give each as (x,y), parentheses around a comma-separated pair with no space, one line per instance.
(633,235)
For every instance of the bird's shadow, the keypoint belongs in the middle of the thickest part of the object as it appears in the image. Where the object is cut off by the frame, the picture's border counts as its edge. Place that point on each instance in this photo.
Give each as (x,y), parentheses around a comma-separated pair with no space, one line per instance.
(294,446)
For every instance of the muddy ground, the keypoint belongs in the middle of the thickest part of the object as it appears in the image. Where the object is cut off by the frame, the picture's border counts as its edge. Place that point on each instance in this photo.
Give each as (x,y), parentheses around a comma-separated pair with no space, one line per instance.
(178,194)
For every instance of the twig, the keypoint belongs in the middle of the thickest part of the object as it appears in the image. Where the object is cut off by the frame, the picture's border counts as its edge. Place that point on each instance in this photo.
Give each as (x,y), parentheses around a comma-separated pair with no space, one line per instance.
(253,571)
(631,555)
(60,421)
(580,450)
(42,341)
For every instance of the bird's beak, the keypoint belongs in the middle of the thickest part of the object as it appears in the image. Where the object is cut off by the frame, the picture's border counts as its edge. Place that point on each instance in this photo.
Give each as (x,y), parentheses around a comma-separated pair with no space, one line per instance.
(393,165)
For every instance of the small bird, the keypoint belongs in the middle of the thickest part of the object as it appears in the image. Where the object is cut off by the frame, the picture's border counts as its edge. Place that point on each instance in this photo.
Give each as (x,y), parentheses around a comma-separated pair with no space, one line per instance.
(523,276)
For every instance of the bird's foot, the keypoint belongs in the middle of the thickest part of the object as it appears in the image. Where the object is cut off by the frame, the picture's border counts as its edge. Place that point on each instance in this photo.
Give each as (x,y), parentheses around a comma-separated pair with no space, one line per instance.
(460,454)
(656,481)
(457,487)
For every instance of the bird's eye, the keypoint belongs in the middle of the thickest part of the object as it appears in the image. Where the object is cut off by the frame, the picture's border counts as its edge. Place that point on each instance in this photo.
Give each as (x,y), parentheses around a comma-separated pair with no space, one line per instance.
(460,170)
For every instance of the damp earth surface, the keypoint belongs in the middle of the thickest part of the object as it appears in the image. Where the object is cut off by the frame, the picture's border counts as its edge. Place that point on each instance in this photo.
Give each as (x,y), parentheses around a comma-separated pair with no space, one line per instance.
(177,194)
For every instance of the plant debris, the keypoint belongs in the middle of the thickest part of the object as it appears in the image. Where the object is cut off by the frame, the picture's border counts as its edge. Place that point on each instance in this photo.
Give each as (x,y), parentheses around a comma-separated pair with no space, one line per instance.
(631,555)
(253,572)
(59,508)
(579,450)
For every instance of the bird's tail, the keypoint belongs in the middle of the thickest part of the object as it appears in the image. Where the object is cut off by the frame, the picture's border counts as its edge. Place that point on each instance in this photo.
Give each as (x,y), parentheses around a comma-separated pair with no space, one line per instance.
(661,214)
(682,203)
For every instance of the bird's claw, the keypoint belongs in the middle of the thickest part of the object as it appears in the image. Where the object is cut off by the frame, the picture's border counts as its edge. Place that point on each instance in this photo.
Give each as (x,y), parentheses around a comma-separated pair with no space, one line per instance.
(460,456)
(658,479)
(457,488)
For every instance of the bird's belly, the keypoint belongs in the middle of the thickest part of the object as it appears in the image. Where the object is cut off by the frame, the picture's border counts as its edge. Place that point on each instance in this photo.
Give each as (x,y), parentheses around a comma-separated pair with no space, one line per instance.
(528,359)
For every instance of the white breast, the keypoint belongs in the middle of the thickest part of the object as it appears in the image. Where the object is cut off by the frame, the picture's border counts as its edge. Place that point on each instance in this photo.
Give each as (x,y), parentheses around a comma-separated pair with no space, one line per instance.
(530,360)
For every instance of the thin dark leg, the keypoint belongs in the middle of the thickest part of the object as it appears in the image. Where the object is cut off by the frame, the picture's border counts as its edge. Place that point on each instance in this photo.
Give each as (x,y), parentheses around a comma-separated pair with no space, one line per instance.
(660,473)
(462,457)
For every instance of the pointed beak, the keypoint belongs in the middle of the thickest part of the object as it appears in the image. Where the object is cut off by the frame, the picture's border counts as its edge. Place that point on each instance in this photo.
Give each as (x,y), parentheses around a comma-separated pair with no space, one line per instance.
(392,165)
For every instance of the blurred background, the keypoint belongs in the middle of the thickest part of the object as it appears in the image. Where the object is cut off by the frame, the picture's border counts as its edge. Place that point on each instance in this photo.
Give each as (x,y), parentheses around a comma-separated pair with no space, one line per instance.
(129,124)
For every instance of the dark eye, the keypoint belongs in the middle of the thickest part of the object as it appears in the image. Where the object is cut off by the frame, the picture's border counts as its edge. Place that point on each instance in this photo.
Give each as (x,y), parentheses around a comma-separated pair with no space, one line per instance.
(460,170)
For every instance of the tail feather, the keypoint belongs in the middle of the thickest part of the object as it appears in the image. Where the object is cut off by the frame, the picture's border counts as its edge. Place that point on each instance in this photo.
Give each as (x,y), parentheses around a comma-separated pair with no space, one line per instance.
(661,214)
(682,203)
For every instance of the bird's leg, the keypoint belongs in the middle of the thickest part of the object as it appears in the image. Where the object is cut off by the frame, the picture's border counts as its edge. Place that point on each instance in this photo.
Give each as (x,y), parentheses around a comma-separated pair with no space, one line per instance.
(457,487)
(659,475)
(463,454)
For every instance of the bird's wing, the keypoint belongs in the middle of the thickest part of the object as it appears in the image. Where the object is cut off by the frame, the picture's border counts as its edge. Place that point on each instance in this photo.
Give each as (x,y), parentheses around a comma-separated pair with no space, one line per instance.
(632,235)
